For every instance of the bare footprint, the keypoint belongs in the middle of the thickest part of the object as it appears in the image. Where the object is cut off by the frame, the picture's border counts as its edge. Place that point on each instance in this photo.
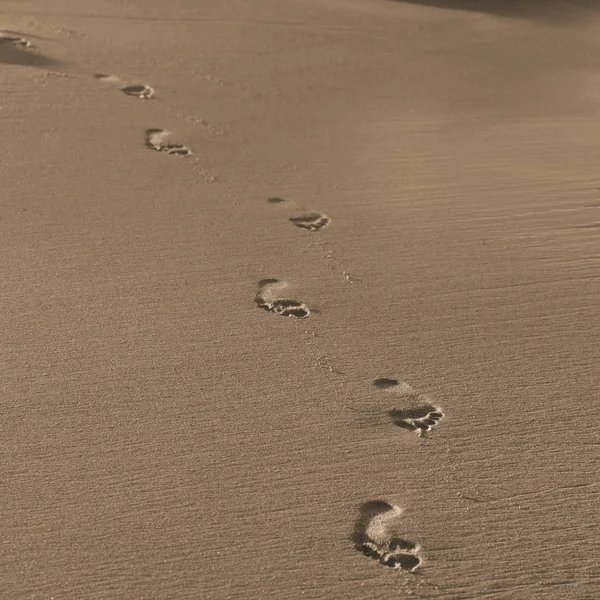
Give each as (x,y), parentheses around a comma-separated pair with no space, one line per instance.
(267,299)
(138,90)
(310,221)
(376,536)
(421,417)
(15,41)
(156,139)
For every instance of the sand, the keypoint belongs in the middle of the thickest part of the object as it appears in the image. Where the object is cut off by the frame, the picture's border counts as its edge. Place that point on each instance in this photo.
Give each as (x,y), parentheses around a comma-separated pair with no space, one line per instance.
(173,429)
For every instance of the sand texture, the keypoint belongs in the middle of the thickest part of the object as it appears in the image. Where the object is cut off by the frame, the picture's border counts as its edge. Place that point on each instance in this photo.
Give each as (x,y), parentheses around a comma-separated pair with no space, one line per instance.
(300,299)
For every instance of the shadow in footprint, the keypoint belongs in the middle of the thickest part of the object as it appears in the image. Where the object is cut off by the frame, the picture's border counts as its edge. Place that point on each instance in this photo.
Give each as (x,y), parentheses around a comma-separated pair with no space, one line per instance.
(400,560)
(383,383)
(139,91)
(420,419)
(374,536)
(312,222)
(285,308)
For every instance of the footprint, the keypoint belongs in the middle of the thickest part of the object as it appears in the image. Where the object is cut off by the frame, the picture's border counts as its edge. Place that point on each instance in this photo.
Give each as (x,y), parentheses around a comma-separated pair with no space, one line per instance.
(422,417)
(15,41)
(266,298)
(311,221)
(139,91)
(156,139)
(376,536)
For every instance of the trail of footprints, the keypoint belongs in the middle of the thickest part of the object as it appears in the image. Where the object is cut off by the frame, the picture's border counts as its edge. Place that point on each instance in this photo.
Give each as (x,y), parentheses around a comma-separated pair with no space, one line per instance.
(268,296)
(377,528)
(155,139)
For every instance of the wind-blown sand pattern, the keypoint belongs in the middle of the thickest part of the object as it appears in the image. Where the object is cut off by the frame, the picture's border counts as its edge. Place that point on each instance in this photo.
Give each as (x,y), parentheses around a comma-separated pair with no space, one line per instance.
(432,169)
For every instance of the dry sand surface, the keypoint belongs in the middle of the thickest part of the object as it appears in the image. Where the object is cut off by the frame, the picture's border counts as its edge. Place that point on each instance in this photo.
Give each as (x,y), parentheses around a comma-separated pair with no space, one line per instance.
(406,405)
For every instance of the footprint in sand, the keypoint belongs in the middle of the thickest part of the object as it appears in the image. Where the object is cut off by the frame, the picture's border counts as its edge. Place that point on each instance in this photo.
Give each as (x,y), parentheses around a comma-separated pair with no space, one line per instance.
(266,298)
(422,417)
(138,90)
(376,536)
(157,140)
(15,41)
(312,221)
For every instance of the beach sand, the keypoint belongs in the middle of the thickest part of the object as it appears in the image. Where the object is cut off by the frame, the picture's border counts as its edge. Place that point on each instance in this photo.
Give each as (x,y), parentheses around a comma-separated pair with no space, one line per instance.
(163,436)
